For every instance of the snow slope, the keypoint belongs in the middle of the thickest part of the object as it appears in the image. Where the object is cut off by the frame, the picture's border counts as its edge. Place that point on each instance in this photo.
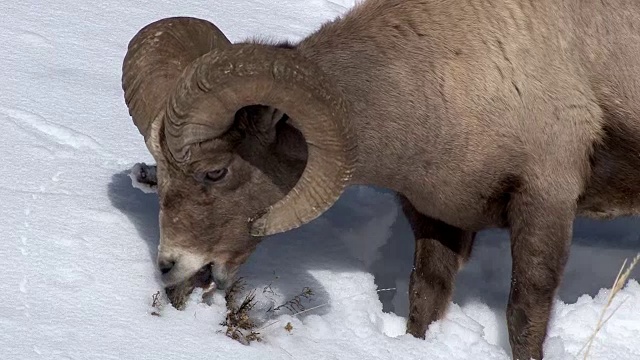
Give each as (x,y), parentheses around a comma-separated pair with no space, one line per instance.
(79,240)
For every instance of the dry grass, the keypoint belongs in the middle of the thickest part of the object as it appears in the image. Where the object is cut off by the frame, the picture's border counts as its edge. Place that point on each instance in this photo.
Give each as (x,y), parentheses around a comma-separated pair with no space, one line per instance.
(618,284)
(239,322)
(239,325)
(288,327)
(156,304)
(295,304)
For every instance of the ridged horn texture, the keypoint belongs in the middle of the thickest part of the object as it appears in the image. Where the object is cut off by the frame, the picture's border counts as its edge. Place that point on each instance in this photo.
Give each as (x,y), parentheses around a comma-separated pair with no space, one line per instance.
(225,80)
(155,58)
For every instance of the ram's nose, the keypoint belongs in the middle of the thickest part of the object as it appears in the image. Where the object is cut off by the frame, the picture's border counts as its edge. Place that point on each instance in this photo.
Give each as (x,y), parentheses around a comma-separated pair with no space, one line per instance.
(178,266)
(165,265)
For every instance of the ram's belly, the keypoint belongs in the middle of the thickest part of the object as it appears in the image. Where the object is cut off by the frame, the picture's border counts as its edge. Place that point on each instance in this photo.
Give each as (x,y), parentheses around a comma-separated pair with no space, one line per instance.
(614,187)
(469,203)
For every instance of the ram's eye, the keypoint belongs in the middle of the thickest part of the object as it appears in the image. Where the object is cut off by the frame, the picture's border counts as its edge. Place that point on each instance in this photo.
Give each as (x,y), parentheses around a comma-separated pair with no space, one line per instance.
(216,175)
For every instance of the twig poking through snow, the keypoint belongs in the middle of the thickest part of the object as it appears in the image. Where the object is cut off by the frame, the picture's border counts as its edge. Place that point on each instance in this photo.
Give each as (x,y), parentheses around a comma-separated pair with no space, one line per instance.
(156,304)
(322,305)
(619,283)
(295,302)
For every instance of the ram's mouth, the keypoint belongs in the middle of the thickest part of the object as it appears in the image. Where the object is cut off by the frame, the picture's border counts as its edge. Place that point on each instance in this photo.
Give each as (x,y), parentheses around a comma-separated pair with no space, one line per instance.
(178,294)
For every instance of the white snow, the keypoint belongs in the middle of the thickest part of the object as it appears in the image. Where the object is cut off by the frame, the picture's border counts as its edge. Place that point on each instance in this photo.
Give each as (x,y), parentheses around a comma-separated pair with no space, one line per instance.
(79,240)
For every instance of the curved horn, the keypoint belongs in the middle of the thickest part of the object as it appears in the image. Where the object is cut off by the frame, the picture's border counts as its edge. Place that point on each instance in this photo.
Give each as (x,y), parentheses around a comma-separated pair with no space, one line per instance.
(219,83)
(155,58)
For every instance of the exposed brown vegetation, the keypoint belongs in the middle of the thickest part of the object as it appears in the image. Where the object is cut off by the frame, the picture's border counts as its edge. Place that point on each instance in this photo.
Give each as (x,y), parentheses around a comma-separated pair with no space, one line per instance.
(156,304)
(240,326)
(288,327)
(295,305)
(239,321)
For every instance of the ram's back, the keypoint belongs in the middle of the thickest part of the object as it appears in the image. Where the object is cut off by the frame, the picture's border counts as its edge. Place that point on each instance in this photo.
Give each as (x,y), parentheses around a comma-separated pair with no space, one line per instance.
(470,91)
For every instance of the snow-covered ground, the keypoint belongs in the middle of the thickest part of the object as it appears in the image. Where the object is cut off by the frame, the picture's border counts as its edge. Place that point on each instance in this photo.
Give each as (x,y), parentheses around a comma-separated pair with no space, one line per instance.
(79,240)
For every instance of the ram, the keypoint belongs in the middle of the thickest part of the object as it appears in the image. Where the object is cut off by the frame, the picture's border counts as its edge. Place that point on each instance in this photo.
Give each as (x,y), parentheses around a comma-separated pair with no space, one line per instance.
(479,114)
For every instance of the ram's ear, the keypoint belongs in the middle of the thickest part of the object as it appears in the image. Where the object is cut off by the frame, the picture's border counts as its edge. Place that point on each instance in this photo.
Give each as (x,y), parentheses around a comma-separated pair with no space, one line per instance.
(259,121)
(290,141)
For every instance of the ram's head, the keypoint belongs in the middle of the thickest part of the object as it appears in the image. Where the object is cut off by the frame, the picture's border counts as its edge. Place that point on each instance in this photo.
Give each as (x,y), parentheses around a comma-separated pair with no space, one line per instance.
(231,166)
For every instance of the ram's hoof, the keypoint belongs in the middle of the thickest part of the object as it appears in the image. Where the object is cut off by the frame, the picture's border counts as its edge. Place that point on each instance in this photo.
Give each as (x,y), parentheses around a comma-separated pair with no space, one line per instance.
(143,177)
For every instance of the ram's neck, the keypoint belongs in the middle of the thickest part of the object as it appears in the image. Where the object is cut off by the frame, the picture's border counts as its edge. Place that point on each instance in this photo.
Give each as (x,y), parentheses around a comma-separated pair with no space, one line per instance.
(386,92)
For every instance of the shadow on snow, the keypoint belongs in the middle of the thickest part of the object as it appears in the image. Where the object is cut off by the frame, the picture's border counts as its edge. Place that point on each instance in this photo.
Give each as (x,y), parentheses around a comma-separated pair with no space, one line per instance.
(364,225)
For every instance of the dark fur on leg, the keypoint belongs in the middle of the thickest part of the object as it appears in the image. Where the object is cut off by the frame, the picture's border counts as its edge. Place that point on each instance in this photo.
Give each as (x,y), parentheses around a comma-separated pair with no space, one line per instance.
(541,236)
(440,252)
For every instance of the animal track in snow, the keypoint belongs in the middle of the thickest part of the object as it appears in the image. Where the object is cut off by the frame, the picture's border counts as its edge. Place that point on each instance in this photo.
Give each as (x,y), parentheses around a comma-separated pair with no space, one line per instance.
(34,39)
(23,249)
(23,239)
(102,216)
(56,177)
(55,132)
(26,308)
(73,278)
(71,242)
(339,5)
(23,286)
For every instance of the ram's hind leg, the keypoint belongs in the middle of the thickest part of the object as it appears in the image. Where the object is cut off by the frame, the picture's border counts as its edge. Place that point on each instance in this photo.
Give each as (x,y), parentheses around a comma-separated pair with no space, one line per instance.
(440,252)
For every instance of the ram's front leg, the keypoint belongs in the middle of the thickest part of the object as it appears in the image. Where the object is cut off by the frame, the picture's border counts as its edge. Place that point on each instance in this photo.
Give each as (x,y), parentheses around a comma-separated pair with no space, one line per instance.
(144,177)
(440,252)
(541,228)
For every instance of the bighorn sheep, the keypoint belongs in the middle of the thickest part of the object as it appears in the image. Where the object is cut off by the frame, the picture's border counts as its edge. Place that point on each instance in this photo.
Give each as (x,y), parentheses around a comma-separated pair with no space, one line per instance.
(479,114)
